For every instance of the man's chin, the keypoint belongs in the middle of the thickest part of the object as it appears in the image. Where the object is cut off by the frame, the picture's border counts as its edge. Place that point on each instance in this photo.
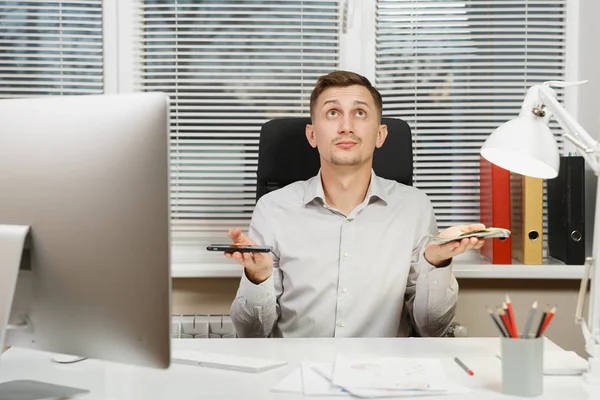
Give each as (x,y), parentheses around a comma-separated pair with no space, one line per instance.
(345,162)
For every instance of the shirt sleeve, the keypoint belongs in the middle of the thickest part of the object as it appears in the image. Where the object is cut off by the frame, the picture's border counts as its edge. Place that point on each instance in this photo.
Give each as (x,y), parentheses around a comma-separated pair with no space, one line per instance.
(431,292)
(255,309)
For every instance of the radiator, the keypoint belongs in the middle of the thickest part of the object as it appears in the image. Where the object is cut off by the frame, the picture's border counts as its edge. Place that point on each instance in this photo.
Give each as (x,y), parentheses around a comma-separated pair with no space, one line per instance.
(201,327)
(220,326)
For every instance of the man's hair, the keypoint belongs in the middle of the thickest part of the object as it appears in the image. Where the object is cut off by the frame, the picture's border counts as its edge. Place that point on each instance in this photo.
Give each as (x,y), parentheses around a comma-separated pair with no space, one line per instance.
(343,79)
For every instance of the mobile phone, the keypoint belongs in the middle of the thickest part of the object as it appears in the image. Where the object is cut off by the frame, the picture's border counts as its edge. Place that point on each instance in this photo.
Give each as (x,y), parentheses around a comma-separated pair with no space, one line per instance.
(231,248)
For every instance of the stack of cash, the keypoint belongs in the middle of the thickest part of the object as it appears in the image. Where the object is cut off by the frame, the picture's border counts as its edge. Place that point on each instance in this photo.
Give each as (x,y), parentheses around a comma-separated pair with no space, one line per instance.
(479,233)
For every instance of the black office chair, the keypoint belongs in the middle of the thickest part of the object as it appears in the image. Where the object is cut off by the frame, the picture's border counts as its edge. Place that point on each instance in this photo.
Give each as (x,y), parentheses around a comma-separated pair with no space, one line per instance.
(285,156)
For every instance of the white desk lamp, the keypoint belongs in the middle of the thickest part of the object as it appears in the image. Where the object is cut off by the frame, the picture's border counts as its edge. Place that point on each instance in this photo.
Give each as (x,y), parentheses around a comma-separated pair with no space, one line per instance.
(526,145)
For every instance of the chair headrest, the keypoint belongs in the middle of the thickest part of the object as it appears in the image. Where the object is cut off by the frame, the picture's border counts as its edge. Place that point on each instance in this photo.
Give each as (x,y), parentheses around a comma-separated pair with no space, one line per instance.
(285,156)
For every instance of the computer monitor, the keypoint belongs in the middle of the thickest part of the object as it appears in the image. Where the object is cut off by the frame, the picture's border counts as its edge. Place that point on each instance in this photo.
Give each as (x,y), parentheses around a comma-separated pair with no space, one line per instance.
(89,176)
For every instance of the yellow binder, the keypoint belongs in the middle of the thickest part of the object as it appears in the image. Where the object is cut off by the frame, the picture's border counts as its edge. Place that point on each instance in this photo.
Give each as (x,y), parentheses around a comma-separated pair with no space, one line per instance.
(527,204)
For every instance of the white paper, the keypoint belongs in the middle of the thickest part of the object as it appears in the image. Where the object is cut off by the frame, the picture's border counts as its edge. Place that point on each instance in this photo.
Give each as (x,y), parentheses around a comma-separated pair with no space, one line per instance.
(316,384)
(292,383)
(315,379)
(423,374)
(327,372)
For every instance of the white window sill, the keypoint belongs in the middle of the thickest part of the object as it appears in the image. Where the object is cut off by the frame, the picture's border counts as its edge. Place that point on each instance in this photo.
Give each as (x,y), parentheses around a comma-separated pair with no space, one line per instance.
(462,270)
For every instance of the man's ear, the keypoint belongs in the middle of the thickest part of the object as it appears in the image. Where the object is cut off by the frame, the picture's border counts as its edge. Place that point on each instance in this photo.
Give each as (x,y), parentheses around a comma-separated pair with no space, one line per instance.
(381,135)
(310,135)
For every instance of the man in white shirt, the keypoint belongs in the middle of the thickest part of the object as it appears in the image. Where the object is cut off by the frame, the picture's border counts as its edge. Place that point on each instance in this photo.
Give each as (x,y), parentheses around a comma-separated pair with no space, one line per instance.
(351,251)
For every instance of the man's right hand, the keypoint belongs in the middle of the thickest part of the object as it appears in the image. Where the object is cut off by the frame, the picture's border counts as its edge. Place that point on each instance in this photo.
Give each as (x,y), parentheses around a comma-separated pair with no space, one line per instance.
(259,266)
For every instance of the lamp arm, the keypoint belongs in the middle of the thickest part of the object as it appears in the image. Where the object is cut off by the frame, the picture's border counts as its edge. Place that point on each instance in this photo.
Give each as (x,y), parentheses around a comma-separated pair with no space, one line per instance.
(590,151)
(590,148)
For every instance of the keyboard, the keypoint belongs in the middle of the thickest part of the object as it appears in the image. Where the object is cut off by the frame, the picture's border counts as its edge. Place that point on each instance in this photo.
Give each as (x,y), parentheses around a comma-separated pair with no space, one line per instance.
(224,361)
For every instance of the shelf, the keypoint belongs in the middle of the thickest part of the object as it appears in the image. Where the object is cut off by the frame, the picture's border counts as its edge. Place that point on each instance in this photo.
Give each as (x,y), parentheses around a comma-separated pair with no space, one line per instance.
(190,270)
(462,270)
(517,271)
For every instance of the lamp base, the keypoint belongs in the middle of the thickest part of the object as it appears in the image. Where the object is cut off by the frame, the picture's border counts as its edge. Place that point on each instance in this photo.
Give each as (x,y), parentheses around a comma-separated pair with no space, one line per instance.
(592,377)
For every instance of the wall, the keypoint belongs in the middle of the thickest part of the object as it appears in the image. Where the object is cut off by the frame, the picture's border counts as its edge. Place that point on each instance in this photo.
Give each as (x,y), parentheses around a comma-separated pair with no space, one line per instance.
(214,296)
(200,296)
(588,113)
(203,296)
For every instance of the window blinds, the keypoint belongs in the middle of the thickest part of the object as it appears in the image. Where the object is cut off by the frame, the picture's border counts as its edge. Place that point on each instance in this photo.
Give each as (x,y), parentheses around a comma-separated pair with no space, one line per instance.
(50,48)
(228,67)
(455,70)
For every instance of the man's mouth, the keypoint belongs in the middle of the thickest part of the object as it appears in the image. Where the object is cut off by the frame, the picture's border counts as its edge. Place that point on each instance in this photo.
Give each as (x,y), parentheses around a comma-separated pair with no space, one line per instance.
(346,144)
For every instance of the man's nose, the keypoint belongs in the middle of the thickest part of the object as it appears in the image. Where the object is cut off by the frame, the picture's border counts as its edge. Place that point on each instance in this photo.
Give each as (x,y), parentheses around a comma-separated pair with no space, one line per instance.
(345,126)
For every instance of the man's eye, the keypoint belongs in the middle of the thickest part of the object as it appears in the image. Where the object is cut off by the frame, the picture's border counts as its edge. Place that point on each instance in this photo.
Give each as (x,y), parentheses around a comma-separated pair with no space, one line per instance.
(361,113)
(332,113)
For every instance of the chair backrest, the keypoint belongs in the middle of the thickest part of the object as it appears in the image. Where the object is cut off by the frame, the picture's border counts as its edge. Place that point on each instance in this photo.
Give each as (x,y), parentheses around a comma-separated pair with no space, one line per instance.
(285,156)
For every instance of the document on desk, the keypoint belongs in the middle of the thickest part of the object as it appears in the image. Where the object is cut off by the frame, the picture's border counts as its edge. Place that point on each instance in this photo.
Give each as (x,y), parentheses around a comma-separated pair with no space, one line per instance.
(326,370)
(391,373)
(315,379)
(318,384)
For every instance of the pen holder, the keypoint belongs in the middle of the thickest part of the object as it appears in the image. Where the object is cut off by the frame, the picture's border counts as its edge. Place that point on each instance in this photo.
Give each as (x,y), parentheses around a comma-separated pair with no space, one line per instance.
(522,366)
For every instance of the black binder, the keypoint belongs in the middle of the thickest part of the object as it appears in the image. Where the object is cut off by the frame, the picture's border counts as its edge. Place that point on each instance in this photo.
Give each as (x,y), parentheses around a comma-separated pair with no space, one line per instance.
(566,212)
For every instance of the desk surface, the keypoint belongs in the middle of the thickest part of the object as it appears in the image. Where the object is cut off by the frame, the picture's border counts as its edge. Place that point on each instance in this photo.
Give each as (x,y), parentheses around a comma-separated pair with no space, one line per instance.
(181,382)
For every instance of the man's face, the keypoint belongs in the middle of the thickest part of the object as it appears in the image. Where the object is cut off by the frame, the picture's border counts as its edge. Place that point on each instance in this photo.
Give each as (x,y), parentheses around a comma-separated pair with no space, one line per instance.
(346,126)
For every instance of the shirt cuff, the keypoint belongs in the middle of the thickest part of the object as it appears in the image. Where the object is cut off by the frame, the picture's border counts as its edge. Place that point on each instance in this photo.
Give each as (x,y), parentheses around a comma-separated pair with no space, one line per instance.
(260,294)
(439,276)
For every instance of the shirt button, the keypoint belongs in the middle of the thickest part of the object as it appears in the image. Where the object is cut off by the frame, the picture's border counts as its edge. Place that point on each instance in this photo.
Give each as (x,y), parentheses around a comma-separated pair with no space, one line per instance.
(342,324)
(349,219)
(345,254)
(344,290)
(435,282)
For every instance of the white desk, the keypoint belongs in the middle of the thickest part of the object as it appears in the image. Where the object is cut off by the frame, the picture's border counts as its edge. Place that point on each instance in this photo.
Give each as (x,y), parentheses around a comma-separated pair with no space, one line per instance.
(120,382)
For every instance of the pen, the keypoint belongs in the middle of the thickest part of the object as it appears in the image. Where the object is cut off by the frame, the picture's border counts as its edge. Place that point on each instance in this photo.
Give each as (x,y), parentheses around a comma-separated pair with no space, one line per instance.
(463,366)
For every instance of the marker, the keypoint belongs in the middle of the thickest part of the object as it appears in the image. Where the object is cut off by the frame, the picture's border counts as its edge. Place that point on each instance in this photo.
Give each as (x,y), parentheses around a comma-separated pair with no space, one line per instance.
(463,366)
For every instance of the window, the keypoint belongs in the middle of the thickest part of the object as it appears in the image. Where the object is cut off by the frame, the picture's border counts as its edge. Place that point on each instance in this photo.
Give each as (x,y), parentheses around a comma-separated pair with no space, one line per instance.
(228,67)
(50,48)
(455,70)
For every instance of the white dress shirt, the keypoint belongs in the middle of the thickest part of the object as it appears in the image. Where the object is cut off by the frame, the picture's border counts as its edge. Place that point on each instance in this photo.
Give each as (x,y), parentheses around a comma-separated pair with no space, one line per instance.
(334,275)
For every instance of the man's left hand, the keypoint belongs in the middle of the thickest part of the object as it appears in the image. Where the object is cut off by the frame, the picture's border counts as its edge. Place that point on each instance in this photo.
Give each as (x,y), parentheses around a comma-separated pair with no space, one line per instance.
(440,254)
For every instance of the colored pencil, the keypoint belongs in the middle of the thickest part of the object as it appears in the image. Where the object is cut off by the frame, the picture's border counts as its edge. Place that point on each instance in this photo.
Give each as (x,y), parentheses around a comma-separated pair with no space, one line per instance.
(542,320)
(547,321)
(530,320)
(504,318)
(497,322)
(511,316)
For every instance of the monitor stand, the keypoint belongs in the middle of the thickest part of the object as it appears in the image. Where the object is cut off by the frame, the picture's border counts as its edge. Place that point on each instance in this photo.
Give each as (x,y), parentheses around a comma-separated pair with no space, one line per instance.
(34,390)
(12,243)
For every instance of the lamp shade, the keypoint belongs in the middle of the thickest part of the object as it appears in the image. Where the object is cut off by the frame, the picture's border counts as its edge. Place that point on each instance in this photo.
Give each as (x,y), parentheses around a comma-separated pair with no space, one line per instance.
(524,145)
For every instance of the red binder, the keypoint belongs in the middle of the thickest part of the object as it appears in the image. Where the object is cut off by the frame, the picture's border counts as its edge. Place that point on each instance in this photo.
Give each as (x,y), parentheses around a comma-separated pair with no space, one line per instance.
(494,207)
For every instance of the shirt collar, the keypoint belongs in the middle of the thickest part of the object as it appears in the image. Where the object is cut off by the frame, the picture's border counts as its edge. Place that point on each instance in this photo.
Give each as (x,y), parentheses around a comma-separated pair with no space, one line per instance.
(315,190)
